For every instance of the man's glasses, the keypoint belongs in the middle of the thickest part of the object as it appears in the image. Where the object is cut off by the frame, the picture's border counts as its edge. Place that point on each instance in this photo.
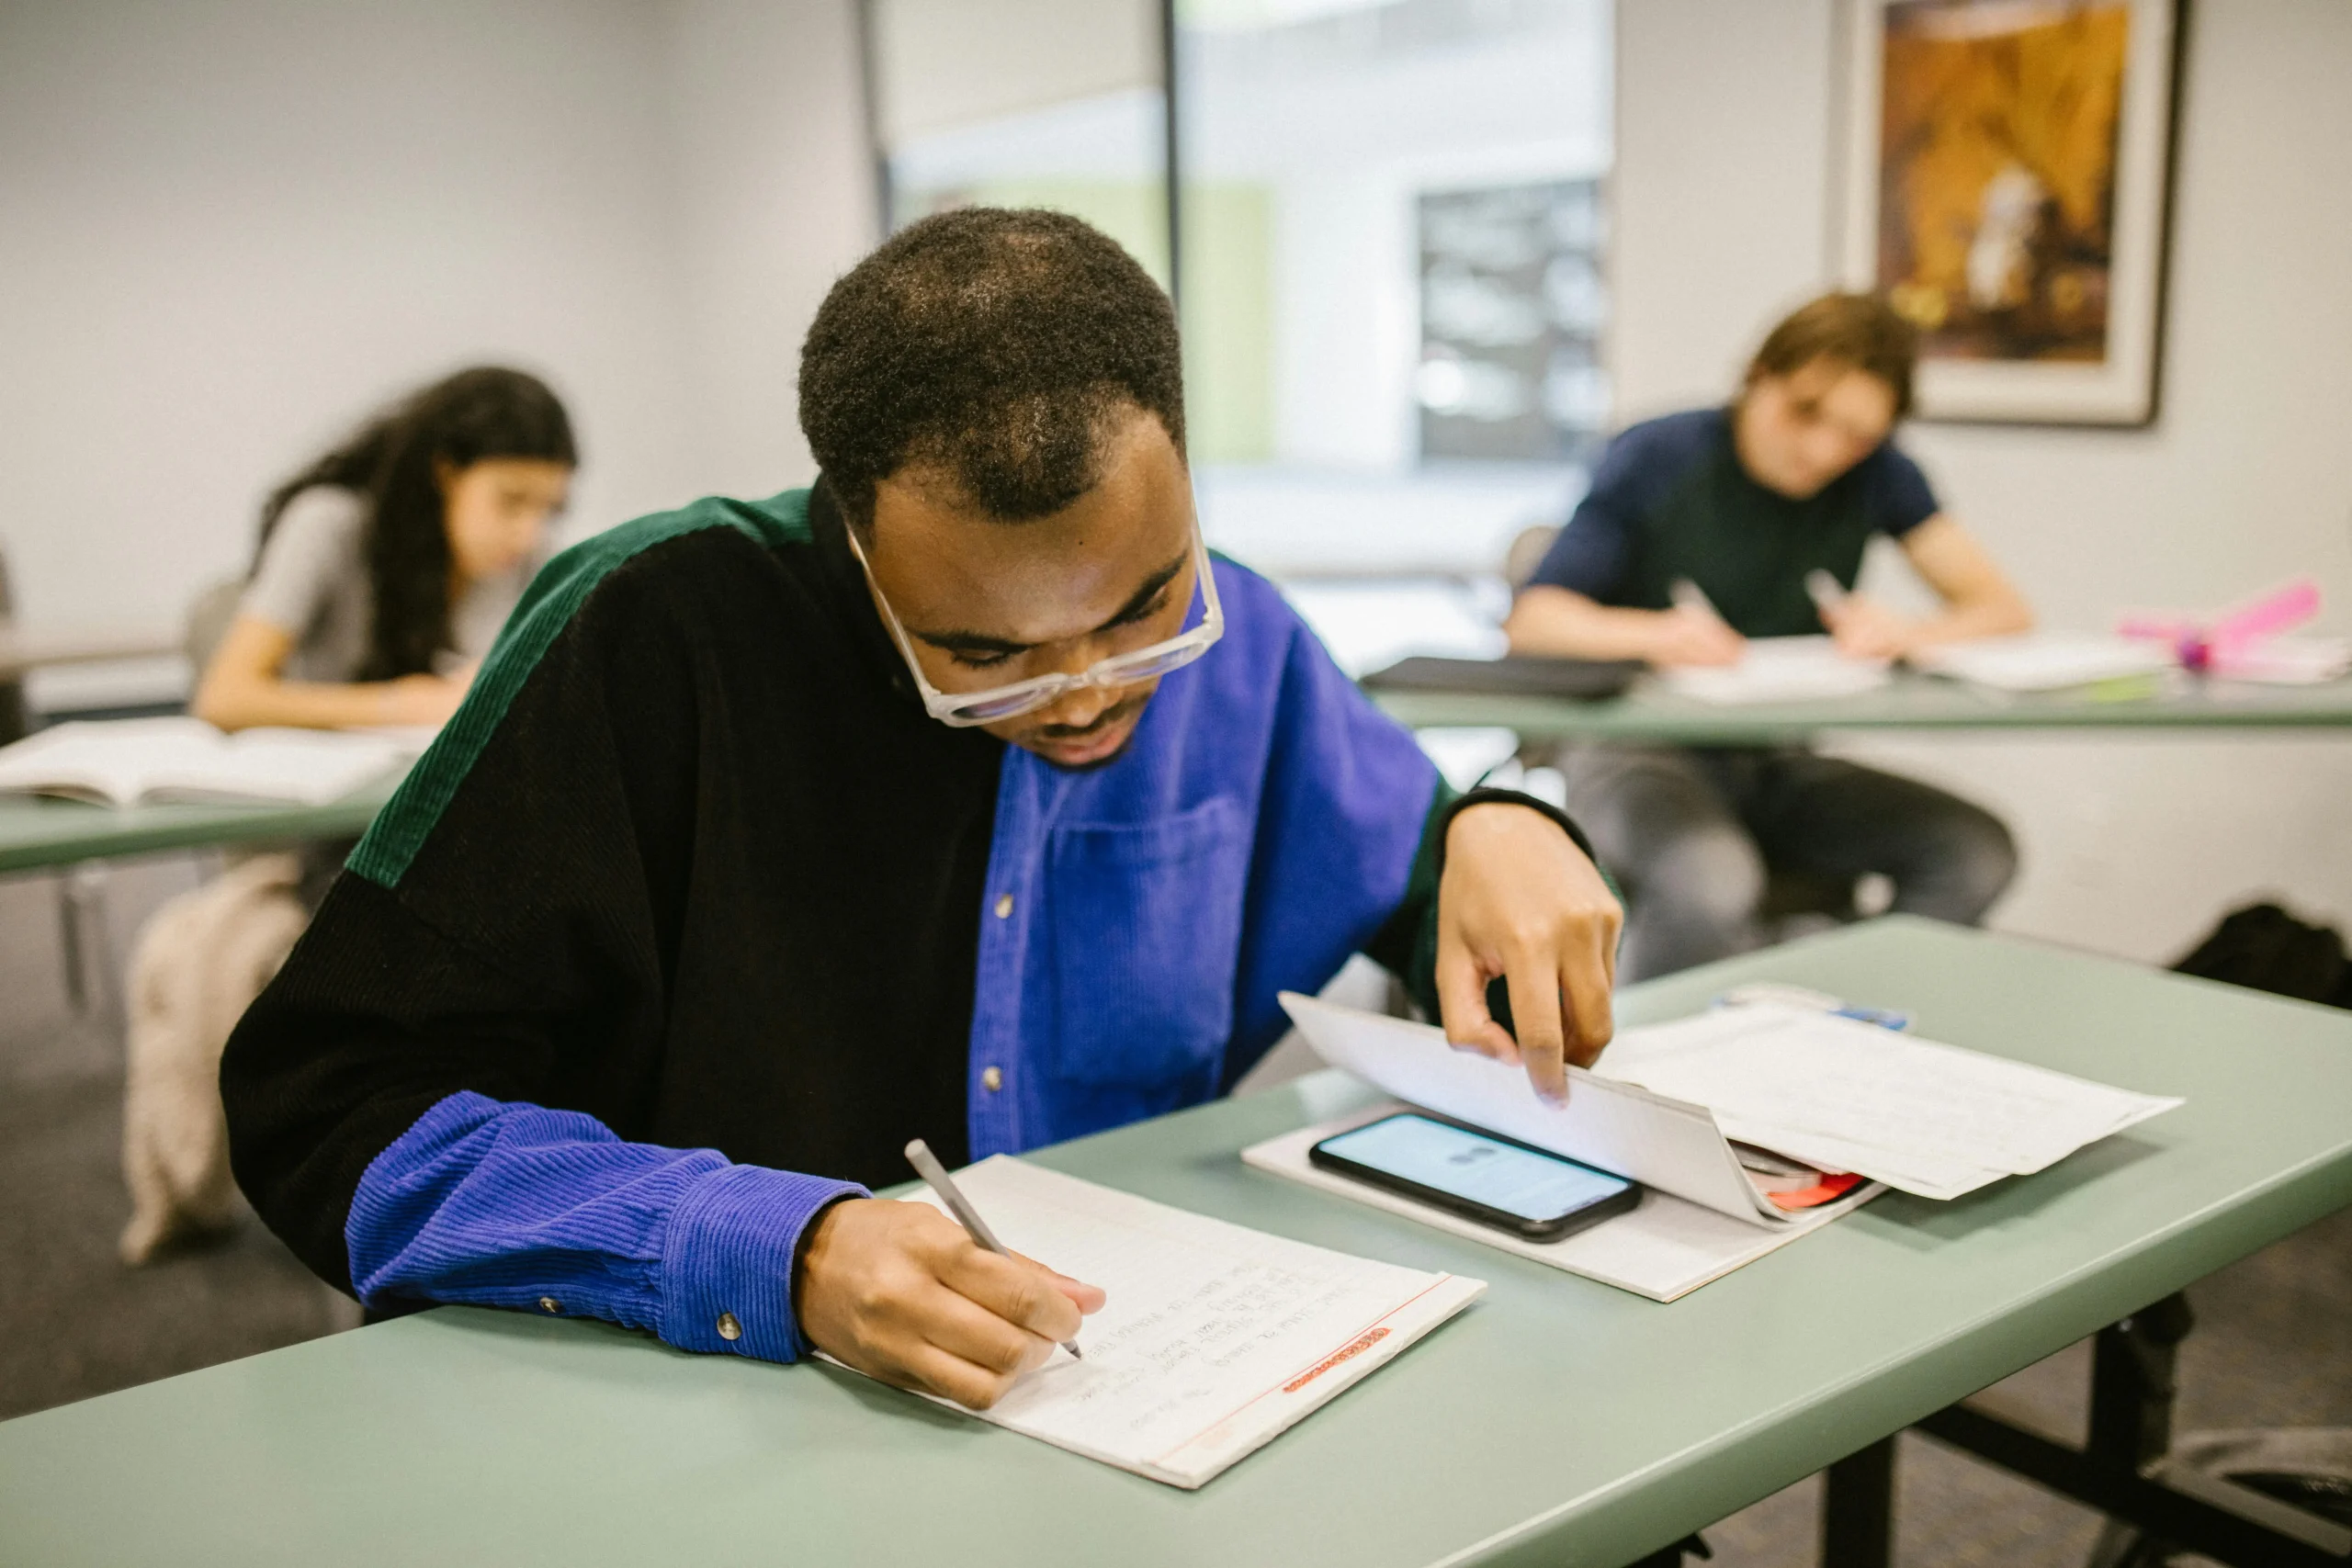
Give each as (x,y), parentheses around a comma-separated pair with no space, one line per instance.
(963,709)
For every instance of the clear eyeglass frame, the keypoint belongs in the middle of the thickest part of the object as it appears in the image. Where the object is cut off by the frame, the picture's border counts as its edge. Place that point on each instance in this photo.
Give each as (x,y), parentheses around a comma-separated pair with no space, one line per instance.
(965,709)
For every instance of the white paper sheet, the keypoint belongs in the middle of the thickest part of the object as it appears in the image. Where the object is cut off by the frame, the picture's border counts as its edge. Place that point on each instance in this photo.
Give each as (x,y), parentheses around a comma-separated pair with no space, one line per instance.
(1664,1249)
(1214,1338)
(1780,669)
(1928,1117)
(2046,661)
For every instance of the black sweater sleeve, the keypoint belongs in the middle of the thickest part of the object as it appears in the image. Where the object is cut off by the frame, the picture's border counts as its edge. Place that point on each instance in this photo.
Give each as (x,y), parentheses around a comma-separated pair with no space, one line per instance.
(505,924)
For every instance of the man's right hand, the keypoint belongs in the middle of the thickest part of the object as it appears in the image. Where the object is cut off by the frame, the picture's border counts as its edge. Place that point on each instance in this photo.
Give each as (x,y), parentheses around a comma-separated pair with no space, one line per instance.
(1686,636)
(900,1293)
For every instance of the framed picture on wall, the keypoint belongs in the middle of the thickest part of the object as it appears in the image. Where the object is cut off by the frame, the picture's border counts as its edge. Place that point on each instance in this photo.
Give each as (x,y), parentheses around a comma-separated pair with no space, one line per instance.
(2007,175)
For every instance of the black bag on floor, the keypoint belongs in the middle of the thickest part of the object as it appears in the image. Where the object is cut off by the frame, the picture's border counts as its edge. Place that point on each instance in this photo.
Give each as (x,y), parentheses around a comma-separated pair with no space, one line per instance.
(2266,949)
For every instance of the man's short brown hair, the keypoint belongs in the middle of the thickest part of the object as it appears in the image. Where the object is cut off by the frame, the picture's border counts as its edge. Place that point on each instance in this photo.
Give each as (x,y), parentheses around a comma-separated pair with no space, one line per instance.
(1859,330)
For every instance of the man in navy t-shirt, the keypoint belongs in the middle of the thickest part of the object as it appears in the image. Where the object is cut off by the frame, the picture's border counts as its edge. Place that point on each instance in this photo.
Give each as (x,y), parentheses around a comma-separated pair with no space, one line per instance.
(1745,503)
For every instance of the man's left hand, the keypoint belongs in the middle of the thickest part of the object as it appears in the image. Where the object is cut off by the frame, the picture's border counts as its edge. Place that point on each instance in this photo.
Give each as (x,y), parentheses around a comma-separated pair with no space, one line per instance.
(1521,903)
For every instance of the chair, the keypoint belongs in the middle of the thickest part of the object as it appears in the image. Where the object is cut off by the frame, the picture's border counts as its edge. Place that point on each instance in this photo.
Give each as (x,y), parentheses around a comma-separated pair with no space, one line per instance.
(84,931)
(208,615)
(13,719)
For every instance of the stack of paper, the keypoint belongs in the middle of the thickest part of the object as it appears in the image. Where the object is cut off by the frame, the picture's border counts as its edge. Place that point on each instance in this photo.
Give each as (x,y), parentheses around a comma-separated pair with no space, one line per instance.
(132,761)
(2046,661)
(1932,1120)
(1214,1339)
(1780,669)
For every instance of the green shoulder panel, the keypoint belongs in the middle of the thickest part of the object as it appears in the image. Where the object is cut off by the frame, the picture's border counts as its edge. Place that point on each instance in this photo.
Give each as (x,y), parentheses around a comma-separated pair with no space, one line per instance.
(547,607)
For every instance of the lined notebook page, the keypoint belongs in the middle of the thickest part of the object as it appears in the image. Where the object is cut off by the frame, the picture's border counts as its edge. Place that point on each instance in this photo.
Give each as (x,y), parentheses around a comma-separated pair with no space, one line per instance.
(1214,1339)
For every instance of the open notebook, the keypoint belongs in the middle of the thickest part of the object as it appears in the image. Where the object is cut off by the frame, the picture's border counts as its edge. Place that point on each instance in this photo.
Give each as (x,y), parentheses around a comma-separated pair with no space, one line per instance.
(134,761)
(1214,1338)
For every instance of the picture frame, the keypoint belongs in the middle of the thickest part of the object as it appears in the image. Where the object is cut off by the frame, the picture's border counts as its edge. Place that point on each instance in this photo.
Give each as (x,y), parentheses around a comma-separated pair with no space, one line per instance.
(2008,188)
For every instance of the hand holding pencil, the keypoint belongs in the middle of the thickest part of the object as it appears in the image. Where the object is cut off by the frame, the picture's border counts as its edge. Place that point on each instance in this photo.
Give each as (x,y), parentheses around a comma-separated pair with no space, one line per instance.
(904,1293)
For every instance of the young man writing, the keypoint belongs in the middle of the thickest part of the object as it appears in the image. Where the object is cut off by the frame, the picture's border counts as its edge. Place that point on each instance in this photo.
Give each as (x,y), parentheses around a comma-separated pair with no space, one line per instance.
(775,834)
(1793,479)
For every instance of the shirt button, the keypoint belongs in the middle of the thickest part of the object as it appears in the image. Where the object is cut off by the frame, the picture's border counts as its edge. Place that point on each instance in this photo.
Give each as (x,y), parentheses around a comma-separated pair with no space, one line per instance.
(728,1327)
(991,1078)
(1004,906)
(549,1304)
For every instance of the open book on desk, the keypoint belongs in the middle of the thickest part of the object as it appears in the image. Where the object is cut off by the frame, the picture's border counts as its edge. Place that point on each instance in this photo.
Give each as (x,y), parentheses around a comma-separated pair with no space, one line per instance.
(136,762)
(1214,1337)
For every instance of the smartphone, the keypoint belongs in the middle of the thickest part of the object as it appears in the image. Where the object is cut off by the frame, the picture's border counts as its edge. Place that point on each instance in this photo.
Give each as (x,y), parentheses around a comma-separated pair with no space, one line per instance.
(1530,1193)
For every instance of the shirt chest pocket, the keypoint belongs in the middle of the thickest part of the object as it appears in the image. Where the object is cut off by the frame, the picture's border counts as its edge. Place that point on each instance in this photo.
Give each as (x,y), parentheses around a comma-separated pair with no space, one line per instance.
(1146,923)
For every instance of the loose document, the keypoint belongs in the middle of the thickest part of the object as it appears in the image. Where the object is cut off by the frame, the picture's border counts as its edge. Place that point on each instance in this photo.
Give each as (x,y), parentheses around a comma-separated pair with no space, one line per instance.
(1935,1121)
(2046,661)
(1779,670)
(136,762)
(1214,1338)
(1701,1215)
(1667,1101)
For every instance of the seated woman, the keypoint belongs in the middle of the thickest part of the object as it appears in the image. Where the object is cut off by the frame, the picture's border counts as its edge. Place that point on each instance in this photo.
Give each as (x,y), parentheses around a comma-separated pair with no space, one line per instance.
(388,566)
(386,570)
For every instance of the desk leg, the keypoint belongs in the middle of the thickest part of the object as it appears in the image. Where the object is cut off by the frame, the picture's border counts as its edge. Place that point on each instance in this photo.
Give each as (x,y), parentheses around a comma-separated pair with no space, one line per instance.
(2135,1380)
(1858,1509)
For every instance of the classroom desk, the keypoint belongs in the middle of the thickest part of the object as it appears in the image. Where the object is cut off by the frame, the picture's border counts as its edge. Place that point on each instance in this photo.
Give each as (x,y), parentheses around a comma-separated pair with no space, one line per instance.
(1558,1421)
(1911,701)
(37,831)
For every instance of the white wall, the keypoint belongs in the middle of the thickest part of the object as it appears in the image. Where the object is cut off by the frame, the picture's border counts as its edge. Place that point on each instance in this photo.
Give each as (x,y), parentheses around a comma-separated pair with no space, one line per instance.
(773,200)
(2132,845)
(233,226)
(948,63)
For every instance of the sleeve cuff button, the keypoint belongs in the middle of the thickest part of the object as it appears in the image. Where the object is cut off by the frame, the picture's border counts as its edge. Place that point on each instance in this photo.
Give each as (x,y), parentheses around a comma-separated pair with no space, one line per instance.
(549,1304)
(728,1327)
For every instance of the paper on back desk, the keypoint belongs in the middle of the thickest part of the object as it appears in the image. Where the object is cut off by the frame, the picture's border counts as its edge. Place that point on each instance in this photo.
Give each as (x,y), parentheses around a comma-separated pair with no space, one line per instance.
(1664,1249)
(1892,1106)
(1661,1143)
(1779,670)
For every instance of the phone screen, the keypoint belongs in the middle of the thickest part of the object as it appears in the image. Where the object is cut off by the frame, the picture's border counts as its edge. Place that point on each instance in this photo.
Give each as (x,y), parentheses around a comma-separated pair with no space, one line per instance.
(1490,1172)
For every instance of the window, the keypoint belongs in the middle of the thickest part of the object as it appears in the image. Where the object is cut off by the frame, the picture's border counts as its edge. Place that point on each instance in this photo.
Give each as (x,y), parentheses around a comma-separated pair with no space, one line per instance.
(1024,103)
(1390,257)
(1393,230)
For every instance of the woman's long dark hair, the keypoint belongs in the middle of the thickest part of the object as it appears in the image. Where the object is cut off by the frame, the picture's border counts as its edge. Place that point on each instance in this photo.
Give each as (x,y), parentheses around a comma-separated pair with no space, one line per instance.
(394,462)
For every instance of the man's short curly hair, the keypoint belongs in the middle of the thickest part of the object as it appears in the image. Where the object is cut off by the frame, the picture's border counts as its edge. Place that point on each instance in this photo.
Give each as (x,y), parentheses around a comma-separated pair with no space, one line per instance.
(996,345)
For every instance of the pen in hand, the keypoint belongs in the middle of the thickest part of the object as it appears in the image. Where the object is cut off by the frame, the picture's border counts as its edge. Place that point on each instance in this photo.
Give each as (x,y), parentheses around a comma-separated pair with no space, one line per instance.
(1691,599)
(935,1177)
(1829,595)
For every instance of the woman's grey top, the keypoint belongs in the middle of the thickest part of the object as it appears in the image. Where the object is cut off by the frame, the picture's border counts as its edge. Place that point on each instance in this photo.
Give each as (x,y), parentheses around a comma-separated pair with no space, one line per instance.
(312,583)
